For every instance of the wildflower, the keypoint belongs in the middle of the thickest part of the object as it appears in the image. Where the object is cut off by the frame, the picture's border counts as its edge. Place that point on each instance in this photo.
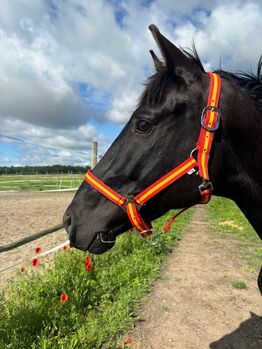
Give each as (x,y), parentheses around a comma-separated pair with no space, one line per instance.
(22,269)
(65,247)
(89,266)
(38,249)
(128,341)
(64,297)
(88,259)
(35,262)
(71,245)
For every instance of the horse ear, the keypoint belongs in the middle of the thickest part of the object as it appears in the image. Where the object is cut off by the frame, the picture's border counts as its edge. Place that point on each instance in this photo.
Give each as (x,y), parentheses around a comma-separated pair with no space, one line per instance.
(158,64)
(173,57)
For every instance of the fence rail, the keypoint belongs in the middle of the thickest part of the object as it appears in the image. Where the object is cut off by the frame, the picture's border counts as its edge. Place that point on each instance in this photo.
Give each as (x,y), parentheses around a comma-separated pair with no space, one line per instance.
(35,236)
(39,182)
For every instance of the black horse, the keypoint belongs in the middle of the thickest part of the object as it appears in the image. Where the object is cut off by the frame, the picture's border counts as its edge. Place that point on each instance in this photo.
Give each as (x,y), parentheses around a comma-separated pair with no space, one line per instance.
(160,134)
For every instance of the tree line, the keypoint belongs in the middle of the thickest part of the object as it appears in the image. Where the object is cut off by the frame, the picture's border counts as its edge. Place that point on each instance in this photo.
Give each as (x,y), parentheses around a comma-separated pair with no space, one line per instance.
(31,170)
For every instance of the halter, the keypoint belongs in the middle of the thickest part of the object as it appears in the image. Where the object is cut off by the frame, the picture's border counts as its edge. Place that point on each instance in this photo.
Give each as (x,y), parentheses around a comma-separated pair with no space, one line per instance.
(210,119)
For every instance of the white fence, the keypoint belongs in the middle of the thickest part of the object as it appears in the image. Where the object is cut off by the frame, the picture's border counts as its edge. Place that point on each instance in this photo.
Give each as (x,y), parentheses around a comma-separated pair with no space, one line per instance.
(40,182)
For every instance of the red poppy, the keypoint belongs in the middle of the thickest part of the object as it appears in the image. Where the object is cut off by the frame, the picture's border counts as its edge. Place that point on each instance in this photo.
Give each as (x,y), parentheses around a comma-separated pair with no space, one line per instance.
(64,297)
(65,247)
(88,259)
(38,249)
(22,269)
(128,341)
(35,262)
(89,266)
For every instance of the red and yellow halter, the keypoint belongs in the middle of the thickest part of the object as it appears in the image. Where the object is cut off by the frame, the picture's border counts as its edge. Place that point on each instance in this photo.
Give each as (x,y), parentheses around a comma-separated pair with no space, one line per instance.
(210,119)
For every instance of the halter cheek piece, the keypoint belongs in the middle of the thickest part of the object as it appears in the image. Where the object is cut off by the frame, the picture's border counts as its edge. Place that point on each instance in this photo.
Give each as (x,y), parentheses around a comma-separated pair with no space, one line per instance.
(210,119)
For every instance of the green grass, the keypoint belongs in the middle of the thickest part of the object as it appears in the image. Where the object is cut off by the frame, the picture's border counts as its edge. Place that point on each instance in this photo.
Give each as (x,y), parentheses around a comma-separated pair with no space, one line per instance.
(239,284)
(101,304)
(228,220)
(39,182)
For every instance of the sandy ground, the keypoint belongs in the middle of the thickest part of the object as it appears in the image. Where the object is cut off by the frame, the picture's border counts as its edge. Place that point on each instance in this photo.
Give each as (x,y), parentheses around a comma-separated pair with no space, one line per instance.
(193,305)
(24,214)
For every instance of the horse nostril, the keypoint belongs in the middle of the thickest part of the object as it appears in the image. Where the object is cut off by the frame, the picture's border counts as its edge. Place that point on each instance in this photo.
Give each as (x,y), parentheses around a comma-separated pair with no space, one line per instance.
(70,226)
(67,221)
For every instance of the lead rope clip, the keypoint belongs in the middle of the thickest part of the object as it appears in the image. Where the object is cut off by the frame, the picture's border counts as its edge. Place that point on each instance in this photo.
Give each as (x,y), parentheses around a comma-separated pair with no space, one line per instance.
(205,185)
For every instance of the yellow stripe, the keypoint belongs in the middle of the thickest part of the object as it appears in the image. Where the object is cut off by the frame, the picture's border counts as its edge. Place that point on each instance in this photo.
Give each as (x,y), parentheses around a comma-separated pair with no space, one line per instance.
(203,158)
(104,189)
(137,226)
(214,90)
(163,182)
(214,94)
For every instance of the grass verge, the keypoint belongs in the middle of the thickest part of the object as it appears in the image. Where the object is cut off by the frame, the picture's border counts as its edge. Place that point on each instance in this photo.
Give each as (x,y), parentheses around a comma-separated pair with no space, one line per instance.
(226,218)
(101,301)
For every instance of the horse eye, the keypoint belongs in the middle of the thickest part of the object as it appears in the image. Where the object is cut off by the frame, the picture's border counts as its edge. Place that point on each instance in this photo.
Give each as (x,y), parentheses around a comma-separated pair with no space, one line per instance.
(143,126)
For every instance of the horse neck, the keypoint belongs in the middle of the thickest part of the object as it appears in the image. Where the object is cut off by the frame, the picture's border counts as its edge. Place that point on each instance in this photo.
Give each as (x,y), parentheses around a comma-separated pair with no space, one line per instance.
(240,175)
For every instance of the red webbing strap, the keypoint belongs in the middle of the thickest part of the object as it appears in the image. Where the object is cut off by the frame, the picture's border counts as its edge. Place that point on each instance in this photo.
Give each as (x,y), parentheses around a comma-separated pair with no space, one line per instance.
(166,180)
(205,197)
(119,200)
(171,221)
(104,189)
(137,220)
(210,120)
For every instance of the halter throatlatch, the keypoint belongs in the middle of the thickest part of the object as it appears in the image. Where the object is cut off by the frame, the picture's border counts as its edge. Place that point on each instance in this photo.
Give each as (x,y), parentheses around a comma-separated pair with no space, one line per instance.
(210,119)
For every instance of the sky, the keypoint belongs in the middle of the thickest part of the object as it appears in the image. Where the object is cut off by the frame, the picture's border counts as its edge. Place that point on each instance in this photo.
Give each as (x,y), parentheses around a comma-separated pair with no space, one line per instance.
(71,71)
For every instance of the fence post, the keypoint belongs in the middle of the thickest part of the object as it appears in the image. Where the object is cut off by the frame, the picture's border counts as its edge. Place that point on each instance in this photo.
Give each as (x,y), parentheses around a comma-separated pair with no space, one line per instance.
(94,154)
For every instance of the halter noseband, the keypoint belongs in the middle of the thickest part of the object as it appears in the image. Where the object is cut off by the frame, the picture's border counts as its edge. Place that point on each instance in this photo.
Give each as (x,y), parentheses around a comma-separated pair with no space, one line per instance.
(210,119)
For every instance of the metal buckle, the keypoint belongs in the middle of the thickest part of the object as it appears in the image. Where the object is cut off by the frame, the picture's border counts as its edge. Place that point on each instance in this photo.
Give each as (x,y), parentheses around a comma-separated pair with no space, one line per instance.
(205,185)
(213,109)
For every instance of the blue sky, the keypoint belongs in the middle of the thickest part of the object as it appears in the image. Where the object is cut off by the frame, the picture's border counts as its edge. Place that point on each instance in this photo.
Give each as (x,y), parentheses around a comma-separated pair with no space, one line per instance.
(71,71)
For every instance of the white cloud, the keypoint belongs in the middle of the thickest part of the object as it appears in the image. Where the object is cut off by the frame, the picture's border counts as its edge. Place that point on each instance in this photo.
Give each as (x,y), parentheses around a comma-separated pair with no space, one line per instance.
(230,32)
(75,141)
(5,160)
(47,48)
(33,88)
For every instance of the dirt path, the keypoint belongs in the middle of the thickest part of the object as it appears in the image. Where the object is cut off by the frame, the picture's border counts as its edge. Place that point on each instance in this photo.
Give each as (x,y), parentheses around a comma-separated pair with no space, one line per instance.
(194,305)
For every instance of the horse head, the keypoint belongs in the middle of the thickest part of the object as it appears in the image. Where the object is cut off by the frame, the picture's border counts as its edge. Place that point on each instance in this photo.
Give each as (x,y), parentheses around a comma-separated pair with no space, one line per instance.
(160,134)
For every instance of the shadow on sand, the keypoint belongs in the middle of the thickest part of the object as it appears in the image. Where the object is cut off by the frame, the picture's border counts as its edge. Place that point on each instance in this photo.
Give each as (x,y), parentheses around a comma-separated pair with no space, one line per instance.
(247,336)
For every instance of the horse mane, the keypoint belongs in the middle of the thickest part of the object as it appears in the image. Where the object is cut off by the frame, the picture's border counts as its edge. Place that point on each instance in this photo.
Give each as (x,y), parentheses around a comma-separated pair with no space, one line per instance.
(250,82)
(157,84)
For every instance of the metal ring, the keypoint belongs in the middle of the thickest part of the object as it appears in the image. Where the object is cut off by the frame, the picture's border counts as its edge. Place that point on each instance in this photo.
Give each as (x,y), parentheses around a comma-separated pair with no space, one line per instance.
(213,109)
(152,244)
(144,231)
(192,152)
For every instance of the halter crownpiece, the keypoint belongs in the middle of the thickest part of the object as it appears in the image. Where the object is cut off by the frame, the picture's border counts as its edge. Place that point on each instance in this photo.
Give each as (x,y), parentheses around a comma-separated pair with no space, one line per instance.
(210,120)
